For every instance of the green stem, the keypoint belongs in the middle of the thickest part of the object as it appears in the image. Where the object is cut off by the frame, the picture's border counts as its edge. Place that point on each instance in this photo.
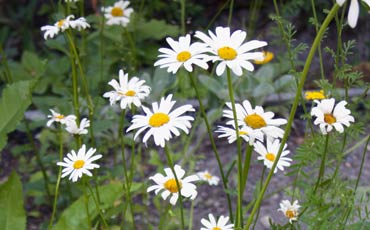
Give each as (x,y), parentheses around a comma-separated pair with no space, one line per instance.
(340,156)
(59,178)
(231,8)
(87,204)
(183,28)
(362,163)
(247,162)
(133,50)
(306,68)
(322,165)
(239,209)
(319,47)
(8,75)
(213,144)
(259,208)
(191,215)
(97,205)
(170,162)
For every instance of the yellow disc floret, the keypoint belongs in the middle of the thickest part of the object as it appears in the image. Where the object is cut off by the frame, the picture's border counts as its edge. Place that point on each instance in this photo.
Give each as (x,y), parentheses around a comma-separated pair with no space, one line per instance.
(130,93)
(78,164)
(216,228)
(290,214)
(158,119)
(60,23)
(315,95)
(270,157)
(171,185)
(329,118)
(183,56)
(255,121)
(227,53)
(117,12)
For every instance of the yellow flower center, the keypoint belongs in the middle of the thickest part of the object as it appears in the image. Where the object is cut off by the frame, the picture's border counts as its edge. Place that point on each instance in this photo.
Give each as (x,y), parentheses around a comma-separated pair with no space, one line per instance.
(270,157)
(158,119)
(216,228)
(171,185)
(60,23)
(130,93)
(60,116)
(117,12)
(329,118)
(207,176)
(312,95)
(255,121)
(290,214)
(183,56)
(242,133)
(227,53)
(267,57)
(78,164)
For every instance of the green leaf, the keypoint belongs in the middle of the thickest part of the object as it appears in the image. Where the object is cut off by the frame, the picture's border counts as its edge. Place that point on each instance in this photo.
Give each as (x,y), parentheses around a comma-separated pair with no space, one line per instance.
(214,86)
(156,29)
(74,217)
(14,101)
(12,214)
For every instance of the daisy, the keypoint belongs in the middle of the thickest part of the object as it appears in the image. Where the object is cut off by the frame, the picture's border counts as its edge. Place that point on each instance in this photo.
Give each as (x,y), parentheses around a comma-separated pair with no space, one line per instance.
(290,210)
(313,95)
(328,116)
(268,154)
(118,14)
(256,119)
(63,24)
(72,127)
(212,224)
(354,11)
(58,117)
(161,122)
(248,134)
(182,53)
(230,49)
(77,164)
(169,185)
(267,57)
(128,92)
(207,176)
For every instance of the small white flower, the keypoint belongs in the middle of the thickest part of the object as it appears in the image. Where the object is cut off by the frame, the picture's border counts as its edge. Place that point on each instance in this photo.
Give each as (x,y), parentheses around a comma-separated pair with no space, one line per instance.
(268,154)
(248,134)
(77,164)
(128,92)
(256,119)
(207,176)
(62,25)
(71,0)
(354,11)
(169,185)
(290,210)
(162,123)
(79,24)
(118,14)
(72,127)
(212,224)
(58,117)
(328,116)
(182,54)
(230,50)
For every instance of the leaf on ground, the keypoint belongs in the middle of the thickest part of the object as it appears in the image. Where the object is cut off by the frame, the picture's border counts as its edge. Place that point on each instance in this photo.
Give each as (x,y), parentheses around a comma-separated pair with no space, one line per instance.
(12,214)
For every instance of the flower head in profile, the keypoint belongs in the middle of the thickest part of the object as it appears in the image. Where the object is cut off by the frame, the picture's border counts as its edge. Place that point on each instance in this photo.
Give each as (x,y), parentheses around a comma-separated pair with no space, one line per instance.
(290,210)
(256,119)
(230,50)
(161,122)
(169,187)
(329,116)
(58,117)
(118,14)
(354,11)
(269,152)
(246,133)
(220,224)
(64,24)
(182,53)
(314,95)
(126,91)
(207,176)
(77,164)
(75,129)
(267,57)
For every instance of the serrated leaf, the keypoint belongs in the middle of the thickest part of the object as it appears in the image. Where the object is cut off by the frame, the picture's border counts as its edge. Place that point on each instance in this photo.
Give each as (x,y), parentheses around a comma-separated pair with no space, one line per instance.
(14,101)
(12,214)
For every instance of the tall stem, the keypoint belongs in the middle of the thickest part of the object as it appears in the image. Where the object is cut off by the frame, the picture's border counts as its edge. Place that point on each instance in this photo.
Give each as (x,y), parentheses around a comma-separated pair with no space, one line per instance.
(247,162)
(322,165)
(306,68)
(97,205)
(213,144)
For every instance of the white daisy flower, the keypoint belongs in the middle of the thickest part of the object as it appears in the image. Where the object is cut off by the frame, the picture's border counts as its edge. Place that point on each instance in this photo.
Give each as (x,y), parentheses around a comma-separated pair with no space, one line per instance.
(72,127)
(290,210)
(63,24)
(256,119)
(354,11)
(212,224)
(207,176)
(328,116)
(118,14)
(161,122)
(58,117)
(77,164)
(268,155)
(128,92)
(182,54)
(71,0)
(248,134)
(230,50)
(169,185)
